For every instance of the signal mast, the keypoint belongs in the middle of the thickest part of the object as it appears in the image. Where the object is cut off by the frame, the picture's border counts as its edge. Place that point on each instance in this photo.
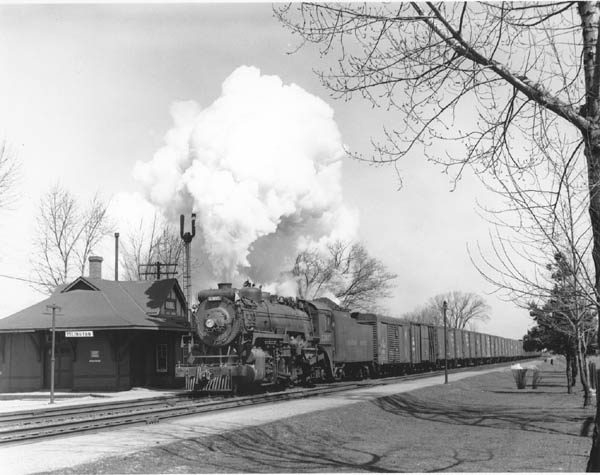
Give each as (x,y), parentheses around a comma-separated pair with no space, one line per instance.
(187,239)
(187,276)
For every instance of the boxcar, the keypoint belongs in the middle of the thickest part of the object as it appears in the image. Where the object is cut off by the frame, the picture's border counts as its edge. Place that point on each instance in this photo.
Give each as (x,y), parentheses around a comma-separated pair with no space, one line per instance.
(495,352)
(427,344)
(393,348)
(472,347)
(415,345)
(466,345)
(486,348)
(477,346)
(399,346)
(453,348)
(458,347)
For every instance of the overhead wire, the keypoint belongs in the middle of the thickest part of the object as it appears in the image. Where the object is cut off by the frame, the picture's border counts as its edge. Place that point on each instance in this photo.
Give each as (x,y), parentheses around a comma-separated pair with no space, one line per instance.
(21,279)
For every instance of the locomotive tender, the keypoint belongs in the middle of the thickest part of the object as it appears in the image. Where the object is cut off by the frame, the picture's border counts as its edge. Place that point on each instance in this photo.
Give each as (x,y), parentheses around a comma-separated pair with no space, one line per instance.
(246,337)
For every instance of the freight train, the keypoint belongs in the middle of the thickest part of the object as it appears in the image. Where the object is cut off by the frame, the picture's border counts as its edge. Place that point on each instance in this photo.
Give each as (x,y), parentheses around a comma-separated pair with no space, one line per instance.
(246,338)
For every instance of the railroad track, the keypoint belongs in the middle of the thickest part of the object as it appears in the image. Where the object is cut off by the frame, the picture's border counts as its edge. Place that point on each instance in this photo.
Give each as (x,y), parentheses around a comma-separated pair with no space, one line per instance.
(20,426)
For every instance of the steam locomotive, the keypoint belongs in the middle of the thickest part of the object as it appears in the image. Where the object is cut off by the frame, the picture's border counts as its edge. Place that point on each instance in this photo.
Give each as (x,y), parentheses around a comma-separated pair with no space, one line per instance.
(246,338)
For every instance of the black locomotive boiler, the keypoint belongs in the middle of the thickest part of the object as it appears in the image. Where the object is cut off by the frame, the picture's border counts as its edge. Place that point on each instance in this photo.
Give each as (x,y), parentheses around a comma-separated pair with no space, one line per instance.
(246,337)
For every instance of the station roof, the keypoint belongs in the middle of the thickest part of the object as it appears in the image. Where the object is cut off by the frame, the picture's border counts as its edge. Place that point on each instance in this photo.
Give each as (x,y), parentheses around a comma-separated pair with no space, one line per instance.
(99,304)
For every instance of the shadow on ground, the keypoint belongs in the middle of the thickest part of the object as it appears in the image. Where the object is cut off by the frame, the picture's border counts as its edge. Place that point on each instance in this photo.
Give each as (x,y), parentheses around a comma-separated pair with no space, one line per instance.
(278,448)
(528,419)
(479,425)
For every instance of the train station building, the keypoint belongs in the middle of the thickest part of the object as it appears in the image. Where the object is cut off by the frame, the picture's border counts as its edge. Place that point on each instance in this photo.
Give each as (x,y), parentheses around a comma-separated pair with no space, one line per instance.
(110,335)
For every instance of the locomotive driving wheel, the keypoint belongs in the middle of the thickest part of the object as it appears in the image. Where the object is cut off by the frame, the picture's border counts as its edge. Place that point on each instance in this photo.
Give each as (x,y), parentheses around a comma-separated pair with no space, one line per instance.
(339,373)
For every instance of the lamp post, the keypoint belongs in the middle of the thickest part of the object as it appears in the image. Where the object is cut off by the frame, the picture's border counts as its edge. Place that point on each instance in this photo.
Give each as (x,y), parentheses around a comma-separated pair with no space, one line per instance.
(445,308)
(54,308)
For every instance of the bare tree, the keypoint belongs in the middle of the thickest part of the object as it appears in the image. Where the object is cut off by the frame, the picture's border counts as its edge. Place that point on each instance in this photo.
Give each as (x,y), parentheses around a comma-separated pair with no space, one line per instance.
(424,314)
(481,79)
(151,243)
(465,309)
(67,236)
(9,172)
(344,270)
(569,312)
(544,219)
(543,213)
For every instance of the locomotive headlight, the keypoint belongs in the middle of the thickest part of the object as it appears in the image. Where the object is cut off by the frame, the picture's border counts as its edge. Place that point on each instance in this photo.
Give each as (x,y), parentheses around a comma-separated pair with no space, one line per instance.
(209,323)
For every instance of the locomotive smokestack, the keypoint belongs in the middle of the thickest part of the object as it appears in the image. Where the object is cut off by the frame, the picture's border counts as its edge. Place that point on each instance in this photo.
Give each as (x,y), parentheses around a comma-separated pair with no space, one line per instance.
(224,285)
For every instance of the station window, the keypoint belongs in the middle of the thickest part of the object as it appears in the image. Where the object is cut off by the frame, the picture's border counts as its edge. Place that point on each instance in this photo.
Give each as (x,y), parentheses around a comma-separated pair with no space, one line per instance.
(171,307)
(161,358)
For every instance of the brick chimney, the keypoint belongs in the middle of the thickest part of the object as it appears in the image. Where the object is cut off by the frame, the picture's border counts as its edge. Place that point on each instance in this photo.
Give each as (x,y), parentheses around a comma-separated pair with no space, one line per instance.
(95,267)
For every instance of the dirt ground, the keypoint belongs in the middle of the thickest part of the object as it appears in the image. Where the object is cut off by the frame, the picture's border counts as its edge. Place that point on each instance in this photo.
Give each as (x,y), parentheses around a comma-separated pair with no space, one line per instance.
(479,424)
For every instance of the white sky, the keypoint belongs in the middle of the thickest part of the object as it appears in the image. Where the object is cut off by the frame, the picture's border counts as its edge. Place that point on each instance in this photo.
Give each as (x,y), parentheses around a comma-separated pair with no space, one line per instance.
(85,92)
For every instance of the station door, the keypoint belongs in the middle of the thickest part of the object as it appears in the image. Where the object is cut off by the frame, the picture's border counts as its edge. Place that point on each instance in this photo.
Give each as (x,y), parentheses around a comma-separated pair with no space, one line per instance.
(63,367)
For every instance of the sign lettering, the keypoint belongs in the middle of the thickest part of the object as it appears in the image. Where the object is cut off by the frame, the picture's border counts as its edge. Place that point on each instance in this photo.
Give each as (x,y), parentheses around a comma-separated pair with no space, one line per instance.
(79,334)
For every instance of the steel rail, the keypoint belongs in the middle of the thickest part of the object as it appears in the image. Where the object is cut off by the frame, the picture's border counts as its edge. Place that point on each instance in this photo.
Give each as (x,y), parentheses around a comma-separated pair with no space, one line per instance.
(86,417)
(25,416)
(56,425)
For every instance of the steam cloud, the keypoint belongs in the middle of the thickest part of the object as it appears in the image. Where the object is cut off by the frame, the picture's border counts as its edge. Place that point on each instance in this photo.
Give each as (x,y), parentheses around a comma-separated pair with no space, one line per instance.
(261,167)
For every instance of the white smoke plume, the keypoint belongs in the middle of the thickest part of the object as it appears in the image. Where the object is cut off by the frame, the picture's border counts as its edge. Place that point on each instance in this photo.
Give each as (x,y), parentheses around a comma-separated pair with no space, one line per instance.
(261,167)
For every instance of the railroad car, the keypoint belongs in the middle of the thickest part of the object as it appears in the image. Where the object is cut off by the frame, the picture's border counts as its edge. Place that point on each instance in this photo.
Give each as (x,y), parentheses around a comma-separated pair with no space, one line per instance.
(454,347)
(402,346)
(486,348)
(427,344)
(468,349)
(493,348)
(457,345)
(394,347)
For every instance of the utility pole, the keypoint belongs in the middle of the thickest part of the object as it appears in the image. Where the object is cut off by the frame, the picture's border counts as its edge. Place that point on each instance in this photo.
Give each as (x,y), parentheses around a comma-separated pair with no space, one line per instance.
(116,257)
(54,308)
(445,307)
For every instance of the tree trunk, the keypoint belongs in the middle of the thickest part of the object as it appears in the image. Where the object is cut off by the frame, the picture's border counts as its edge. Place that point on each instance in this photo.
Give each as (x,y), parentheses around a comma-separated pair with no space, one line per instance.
(591,138)
(592,152)
(583,371)
(569,373)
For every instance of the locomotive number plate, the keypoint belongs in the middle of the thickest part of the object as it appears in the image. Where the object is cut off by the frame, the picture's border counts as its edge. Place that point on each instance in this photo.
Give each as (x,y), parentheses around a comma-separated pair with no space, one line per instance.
(214,299)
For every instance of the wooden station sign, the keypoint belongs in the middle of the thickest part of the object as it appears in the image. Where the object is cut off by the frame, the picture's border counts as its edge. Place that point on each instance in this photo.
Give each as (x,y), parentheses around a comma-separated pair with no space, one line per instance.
(79,334)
